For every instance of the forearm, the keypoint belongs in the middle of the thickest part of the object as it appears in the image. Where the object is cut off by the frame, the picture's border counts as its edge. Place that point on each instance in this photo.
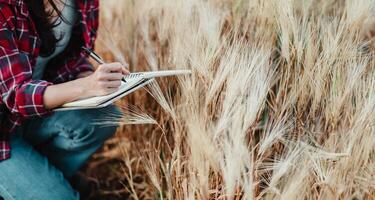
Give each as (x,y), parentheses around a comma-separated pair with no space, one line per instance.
(56,95)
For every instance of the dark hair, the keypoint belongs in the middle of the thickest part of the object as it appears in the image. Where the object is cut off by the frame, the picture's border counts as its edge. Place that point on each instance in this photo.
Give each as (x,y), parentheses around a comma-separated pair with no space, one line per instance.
(44,25)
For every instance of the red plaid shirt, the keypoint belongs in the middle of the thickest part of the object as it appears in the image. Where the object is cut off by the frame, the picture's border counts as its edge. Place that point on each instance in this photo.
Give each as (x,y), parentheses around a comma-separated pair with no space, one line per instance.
(22,97)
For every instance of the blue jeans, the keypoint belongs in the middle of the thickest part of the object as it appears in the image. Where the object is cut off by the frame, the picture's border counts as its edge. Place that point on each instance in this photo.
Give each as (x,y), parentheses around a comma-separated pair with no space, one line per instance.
(46,151)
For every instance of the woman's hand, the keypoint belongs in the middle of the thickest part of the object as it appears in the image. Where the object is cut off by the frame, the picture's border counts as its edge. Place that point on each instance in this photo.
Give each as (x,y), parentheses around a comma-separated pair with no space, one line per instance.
(105,80)
(88,73)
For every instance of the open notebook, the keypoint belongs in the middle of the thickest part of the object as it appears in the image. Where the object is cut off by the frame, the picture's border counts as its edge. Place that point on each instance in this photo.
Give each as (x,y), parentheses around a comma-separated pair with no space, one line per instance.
(133,82)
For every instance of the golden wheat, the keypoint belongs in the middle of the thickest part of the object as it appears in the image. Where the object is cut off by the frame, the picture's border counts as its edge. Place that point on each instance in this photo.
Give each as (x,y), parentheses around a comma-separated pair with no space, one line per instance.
(280,104)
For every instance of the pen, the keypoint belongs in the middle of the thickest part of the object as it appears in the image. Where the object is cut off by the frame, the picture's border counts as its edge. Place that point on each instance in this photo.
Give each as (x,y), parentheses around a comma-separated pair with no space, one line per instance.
(96,57)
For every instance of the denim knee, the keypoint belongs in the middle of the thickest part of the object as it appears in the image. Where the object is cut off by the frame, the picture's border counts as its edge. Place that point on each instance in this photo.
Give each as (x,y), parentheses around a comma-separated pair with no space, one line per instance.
(29,175)
(88,130)
(89,135)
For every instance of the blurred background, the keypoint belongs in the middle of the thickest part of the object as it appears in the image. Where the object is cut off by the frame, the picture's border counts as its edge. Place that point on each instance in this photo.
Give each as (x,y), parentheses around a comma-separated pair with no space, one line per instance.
(279,106)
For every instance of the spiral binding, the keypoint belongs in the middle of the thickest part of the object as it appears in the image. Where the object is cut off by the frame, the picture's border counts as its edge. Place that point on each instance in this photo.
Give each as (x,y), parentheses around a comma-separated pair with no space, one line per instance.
(133,75)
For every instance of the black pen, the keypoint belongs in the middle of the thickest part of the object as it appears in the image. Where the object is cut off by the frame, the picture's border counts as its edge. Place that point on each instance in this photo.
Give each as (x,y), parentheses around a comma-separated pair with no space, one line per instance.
(96,57)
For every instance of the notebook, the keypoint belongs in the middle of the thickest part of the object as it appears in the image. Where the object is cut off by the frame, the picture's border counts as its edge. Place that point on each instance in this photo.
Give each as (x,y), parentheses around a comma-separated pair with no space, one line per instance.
(133,82)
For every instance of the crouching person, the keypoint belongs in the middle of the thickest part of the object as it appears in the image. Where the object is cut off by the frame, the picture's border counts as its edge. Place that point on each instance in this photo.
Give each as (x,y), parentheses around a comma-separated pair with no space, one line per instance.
(42,67)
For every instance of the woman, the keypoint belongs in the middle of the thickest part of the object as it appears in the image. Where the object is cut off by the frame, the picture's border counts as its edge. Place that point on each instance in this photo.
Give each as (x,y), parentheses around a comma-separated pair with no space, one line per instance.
(42,67)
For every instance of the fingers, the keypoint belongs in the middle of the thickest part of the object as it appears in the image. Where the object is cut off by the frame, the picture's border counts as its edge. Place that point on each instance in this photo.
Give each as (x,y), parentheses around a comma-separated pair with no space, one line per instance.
(125,68)
(108,87)
(125,71)
(110,76)
(107,78)
(115,67)
(111,67)
(111,84)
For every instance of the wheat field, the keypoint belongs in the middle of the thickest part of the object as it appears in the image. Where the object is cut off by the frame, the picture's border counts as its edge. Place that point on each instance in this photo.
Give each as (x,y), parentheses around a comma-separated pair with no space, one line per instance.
(280,104)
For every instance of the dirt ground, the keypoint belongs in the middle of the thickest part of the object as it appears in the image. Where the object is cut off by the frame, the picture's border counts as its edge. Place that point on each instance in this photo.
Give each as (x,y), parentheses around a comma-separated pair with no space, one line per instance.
(111,185)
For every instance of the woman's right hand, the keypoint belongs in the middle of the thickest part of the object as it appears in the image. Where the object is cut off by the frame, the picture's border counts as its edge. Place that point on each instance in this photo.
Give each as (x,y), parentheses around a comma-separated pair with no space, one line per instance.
(105,80)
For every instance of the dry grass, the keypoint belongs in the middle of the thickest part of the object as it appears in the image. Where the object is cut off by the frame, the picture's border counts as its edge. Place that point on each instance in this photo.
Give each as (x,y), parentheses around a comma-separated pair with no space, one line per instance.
(280,104)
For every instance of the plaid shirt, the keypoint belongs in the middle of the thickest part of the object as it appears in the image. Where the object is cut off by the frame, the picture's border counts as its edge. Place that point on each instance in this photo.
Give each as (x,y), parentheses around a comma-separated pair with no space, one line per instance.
(22,97)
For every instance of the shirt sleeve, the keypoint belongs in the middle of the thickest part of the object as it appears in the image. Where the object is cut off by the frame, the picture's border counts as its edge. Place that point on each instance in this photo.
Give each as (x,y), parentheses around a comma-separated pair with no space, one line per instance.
(21,95)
